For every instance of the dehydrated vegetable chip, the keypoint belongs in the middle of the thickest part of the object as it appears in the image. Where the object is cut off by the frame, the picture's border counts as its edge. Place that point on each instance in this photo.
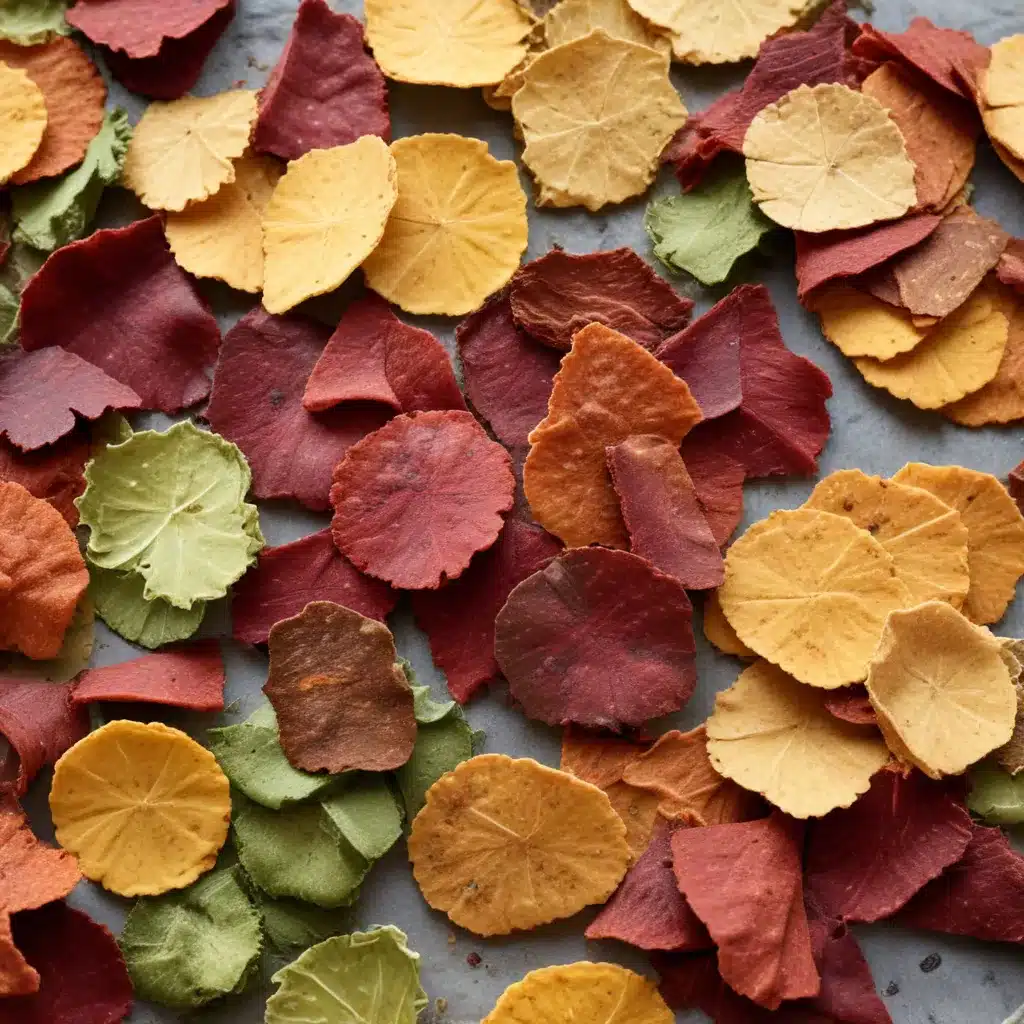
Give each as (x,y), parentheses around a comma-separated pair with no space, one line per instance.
(140,27)
(597,759)
(719,633)
(996,796)
(573,19)
(143,807)
(860,325)
(28,22)
(1002,95)
(507,844)
(22,120)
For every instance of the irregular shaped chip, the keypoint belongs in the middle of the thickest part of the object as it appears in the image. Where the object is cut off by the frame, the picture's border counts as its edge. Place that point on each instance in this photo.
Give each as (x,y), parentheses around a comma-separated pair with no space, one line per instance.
(332,202)
(139,28)
(718,480)
(1010,268)
(72,658)
(553,845)
(28,22)
(719,633)
(143,807)
(827,157)
(55,473)
(291,926)
(1002,95)
(996,796)
(23,119)
(864,327)
(595,114)
(599,760)
(573,19)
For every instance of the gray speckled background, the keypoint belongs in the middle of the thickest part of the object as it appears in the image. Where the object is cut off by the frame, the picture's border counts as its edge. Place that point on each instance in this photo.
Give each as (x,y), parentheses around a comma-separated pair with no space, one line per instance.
(975,983)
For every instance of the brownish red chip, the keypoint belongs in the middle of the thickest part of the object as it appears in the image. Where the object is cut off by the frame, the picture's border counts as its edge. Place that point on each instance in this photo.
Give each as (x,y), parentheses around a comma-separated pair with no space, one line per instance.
(852,704)
(139,27)
(55,473)
(1010,268)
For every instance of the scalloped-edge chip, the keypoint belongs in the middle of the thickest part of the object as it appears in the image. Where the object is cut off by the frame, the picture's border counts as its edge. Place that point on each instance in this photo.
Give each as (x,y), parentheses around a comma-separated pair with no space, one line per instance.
(554,845)
(138,28)
(55,473)
(861,325)
(573,19)
(23,120)
(719,633)
(1002,95)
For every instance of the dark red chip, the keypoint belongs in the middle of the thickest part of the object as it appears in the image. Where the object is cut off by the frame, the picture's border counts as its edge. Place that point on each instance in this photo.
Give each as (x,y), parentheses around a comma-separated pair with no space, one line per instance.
(1010,268)
(718,481)
(55,473)
(1015,482)
(139,27)
(852,704)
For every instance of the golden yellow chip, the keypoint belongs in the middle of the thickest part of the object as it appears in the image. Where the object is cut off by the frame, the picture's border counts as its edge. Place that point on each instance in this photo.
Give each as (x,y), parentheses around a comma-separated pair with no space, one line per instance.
(719,633)
(573,19)
(775,736)
(586,992)
(505,844)
(1002,94)
(828,157)
(926,538)
(144,808)
(809,591)
(324,218)
(183,151)
(458,42)
(858,324)
(222,237)
(595,114)
(22,120)
(941,689)
(457,230)
(638,809)
(995,532)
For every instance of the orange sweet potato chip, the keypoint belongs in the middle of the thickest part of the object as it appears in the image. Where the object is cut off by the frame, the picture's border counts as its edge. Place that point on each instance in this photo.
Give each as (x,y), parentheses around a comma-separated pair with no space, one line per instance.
(31,872)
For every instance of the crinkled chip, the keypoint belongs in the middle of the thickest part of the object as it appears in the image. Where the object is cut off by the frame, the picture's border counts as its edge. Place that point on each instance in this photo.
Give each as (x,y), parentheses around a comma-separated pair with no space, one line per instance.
(23,119)
(507,844)
(719,633)
(995,796)
(860,325)
(143,807)
(775,736)
(457,229)
(55,473)
(1002,95)
(827,157)
(138,28)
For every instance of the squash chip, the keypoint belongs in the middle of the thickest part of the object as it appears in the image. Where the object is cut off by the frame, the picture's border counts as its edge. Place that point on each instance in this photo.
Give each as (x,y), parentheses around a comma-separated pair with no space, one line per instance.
(573,19)
(774,736)
(809,591)
(719,633)
(185,150)
(325,216)
(507,844)
(595,114)
(457,230)
(638,810)
(828,157)
(22,120)
(858,324)
(1002,94)
(941,688)
(144,807)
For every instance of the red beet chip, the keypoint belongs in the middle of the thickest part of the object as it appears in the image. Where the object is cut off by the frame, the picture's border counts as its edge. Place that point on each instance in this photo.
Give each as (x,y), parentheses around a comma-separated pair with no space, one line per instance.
(325,91)
(662,513)
(559,294)
(598,638)
(1010,268)
(118,300)
(257,403)
(139,27)
(83,977)
(459,617)
(288,577)
(718,481)
(852,704)
(415,500)
(55,473)
(372,356)
(865,861)
(189,676)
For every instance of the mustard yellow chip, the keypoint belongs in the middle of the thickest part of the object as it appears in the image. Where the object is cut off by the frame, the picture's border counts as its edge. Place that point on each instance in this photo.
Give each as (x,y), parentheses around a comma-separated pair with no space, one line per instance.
(858,324)
(828,157)
(324,218)
(573,19)
(926,538)
(595,114)
(719,633)
(22,120)
(1002,94)
(586,992)
(638,809)
(457,231)
(144,808)
(505,844)
(184,151)
(809,591)
(995,532)
(222,237)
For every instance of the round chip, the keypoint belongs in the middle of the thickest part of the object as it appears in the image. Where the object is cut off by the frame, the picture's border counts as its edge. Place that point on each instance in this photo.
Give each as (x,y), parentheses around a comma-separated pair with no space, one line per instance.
(858,324)
(941,689)
(926,538)
(828,157)
(183,151)
(719,633)
(584,991)
(776,737)
(507,844)
(22,120)
(144,807)
(457,230)
(595,114)
(326,215)
(809,591)
(573,19)
(1002,94)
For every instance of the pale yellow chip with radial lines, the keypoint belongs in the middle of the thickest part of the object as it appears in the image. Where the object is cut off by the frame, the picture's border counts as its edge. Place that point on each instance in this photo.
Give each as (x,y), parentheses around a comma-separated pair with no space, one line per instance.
(828,157)
(183,151)
(22,120)
(858,324)
(573,19)
(324,218)
(457,231)
(1002,93)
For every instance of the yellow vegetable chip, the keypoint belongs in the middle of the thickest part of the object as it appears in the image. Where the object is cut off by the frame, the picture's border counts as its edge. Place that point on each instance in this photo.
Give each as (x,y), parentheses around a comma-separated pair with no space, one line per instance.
(775,736)
(595,114)
(590,993)
(456,42)
(573,19)
(22,120)
(995,532)
(1002,94)
(858,324)
(638,810)
(506,844)
(941,689)
(926,538)
(325,216)
(457,231)
(222,237)
(809,591)
(719,633)
(828,157)
(183,151)
(144,808)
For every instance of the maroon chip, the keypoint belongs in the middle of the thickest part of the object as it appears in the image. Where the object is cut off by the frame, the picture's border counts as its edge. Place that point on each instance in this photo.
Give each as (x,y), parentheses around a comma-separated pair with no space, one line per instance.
(55,473)
(139,27)
(1010,268)
(852,704)
(1014,483)
(718,481)
(598,638)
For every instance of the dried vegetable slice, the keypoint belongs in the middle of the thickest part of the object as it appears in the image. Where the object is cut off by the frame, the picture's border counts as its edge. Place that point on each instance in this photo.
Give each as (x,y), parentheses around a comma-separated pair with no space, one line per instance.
(995,796)
(718,480)
(457,230)
(72,658)
(573,19)
(30,22)
(23,120)
(143,807)
(1002,95)
(291,926)
(865,328)
(599,760)
(17,976)
(719,633)
(597,638)
(507,844)
(1010,268)
(139,27)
